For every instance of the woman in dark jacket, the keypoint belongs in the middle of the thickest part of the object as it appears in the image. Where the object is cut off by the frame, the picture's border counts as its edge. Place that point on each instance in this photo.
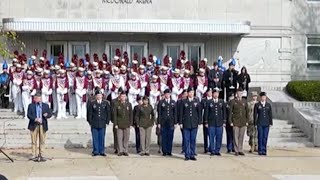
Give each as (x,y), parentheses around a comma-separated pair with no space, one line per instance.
(244,80)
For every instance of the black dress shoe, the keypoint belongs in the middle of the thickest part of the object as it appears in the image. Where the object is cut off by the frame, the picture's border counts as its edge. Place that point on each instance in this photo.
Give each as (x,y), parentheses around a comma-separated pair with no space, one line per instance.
(186,159)
(164,154)
(120,154)
(125,154)
(147,154)
(103,154)
(193,158)
(169,154)
(236,154)
(217,154)
(116,151)
(264,154)
(141,154)
(94,154)
(229,151)
(212,154)
(241,153)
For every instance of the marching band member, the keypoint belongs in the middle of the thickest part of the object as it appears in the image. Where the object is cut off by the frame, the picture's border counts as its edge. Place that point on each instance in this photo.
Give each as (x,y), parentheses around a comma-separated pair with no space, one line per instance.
(144,80)
(124,73)
(115,83)
(106,80)
(98,80)
(176,85)
(55,75)
(135,66)
(71,74)
(90,89)
(80,86)
(62,85)
(46,87)
(150,69)
(133,86)
(187,80)
(17,76)
(29,87)
(164,78)
(154,90)
(37,77)
(202,84)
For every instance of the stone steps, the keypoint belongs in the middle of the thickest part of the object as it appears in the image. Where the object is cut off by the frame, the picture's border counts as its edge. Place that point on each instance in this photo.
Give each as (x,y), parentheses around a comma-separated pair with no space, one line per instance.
(76,133)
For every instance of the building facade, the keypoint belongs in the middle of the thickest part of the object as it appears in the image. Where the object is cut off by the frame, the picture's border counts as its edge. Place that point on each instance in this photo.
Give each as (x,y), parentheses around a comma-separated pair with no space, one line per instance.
(275,39)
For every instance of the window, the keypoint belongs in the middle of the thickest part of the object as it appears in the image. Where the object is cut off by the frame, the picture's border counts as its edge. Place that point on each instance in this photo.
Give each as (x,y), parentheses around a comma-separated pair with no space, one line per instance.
(79,48)
(313,1)
(111,49)
(313,52)
(54,48)
(140,48)
(172,50)
(194,52)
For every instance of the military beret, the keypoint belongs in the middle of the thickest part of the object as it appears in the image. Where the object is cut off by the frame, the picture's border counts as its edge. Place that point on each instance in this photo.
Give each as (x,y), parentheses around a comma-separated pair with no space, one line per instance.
(216,89)
(190,89)
(263,94)
(167,91)
(184,91)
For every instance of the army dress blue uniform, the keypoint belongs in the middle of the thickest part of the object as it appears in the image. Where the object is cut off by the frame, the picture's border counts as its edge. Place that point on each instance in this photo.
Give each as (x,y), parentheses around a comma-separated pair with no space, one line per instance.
(229,131)
(204,128)
(215,118)
(98,116)
(190,118)
(263,121)
(167,118)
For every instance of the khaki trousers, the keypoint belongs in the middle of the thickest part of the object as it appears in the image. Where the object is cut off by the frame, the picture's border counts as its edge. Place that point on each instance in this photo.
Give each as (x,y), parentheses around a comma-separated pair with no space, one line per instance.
(238,136)
(123,136)
(145,139)
(34,140)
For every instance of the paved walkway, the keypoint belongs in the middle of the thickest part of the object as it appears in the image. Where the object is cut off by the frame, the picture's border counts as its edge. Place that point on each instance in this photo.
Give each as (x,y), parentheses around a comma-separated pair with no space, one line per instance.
(78,164)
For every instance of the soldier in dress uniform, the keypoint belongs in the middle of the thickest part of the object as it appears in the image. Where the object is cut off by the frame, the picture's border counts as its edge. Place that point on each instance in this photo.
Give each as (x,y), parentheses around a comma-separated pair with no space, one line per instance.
(189,120)
(184,95)
(229,128)
(214,120)
(98,116)
(122,117)
(136,127)
(263,120)
(80,86)
(201,83)
(176,85)
(4,86)
(29,87)
(205,128)
(238,119)
(167,120)
(252,129)
(230,81)
(145,119)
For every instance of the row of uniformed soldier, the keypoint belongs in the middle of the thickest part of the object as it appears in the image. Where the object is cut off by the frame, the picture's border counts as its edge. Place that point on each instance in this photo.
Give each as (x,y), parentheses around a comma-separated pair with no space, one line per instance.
(189,113)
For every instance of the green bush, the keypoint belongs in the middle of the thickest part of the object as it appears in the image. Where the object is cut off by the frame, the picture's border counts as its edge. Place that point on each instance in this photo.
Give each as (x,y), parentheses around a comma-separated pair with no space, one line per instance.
(304,90)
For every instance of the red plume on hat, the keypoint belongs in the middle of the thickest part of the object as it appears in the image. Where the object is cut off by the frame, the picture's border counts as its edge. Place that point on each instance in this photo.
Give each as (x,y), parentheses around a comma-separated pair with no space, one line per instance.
(44,54)
(150,58)
(104,57)
(35,52)
(118,52)
(135,56)
(144,61)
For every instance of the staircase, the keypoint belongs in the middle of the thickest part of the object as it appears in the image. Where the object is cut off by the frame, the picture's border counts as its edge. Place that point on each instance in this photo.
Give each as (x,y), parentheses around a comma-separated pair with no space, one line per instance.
(74,133)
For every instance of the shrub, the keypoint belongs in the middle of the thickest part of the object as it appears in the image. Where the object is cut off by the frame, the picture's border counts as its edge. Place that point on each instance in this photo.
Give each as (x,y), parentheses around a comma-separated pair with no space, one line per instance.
(304,90)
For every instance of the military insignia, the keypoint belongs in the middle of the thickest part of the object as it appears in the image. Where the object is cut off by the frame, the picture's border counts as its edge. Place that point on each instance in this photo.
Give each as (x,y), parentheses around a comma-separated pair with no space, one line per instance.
(195,104)
(186,105)
(211,105)
(94,106)
(163,105)
(260,107)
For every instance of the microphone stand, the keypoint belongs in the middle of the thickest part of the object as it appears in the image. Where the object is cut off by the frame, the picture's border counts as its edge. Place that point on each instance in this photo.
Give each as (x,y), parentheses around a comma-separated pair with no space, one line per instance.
(6,155)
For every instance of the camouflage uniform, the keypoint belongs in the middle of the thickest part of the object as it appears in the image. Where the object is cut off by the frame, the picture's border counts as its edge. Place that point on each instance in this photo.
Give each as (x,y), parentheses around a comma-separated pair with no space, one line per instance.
(252,129)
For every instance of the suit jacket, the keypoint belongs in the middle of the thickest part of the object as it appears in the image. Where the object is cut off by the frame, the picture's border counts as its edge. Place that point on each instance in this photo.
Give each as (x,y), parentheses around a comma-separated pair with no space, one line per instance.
(99,115)
(263,115)
(190,113)
(32,115)
(167,113)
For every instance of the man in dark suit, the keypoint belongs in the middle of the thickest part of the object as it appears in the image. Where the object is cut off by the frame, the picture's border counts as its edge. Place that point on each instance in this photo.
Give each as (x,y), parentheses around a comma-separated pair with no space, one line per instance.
(38,113)
(263,121)
(98,116)
(167,119)
(189,120)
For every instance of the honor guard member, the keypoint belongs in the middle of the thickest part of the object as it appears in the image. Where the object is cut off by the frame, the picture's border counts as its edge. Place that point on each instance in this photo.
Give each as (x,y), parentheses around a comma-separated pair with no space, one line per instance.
(135,125)
(189,120)
(238,119)
(205,128)
(230,81)
(122,117)
(4,86)
(98,116)
(167,120)
(145,119)
(214,120)
(252,129)
(263,119)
